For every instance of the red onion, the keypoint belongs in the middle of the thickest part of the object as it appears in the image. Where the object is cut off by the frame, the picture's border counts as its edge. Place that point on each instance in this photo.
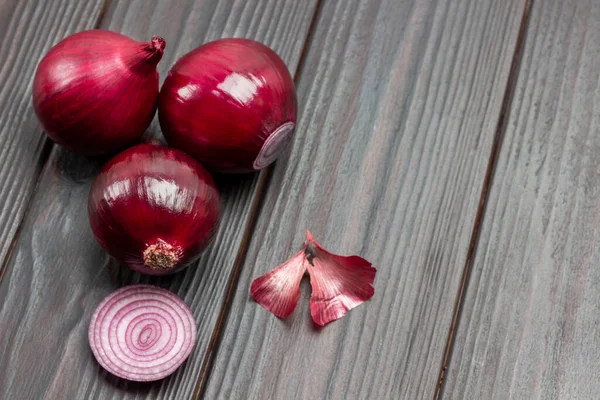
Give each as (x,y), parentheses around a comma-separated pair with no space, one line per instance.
(142,333)
(231,104)
(95,92)
(153,208)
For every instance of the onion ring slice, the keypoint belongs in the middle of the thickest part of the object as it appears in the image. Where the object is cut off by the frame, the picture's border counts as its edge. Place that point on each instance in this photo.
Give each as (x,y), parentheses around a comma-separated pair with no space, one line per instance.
(142,333)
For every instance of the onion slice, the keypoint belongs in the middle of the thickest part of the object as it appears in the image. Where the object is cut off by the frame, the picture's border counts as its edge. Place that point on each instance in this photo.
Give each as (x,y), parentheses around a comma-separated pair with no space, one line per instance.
(338,283)
(142,333)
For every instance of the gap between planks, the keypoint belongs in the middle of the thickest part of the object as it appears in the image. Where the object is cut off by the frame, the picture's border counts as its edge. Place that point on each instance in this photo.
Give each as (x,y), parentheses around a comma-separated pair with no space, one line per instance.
(255,208)
(42,162)
(501,127)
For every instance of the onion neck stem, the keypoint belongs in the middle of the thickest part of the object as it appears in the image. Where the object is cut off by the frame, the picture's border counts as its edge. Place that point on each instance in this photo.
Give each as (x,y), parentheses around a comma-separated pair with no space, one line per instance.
(150,53)
(156,48)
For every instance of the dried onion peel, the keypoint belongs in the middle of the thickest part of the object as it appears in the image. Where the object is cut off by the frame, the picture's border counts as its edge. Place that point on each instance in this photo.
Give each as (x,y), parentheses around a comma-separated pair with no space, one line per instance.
(338,283)
(142,333)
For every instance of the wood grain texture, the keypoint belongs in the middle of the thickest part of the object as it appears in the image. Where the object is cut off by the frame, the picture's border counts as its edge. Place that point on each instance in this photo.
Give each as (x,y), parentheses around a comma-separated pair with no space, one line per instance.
(530,325)
(401,102)
(58,274)
(28,30)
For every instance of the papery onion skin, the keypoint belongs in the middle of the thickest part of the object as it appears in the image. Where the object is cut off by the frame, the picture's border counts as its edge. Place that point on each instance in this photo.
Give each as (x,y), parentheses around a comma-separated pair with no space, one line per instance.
(231,104)
(279,289)
(142,333)
(95,92)
(339,283)
(154,208)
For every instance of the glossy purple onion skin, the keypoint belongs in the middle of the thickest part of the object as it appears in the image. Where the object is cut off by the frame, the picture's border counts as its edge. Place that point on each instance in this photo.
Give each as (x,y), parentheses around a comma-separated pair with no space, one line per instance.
(222,101)
(151,193)
(95,92)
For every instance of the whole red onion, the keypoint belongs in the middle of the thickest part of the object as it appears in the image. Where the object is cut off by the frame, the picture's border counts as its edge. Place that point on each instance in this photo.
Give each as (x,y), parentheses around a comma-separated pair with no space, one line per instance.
(229,103)
(153,208)
(95,92)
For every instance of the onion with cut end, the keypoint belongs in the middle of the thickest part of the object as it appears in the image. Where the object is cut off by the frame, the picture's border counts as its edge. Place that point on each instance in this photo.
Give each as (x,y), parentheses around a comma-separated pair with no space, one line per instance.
(142,333)
(231,104)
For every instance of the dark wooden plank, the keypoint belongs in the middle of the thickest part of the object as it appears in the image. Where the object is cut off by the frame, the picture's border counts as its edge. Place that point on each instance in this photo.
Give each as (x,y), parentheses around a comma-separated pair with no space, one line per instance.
(28,29)
(58,274)
(401,102)
(530,324)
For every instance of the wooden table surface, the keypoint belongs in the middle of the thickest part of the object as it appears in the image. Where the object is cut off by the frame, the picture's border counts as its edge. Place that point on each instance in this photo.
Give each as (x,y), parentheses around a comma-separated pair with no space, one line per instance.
(454,144)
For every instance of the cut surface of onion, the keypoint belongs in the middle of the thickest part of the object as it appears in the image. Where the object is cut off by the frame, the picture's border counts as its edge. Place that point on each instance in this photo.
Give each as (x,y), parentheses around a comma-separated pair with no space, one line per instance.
(142,333)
